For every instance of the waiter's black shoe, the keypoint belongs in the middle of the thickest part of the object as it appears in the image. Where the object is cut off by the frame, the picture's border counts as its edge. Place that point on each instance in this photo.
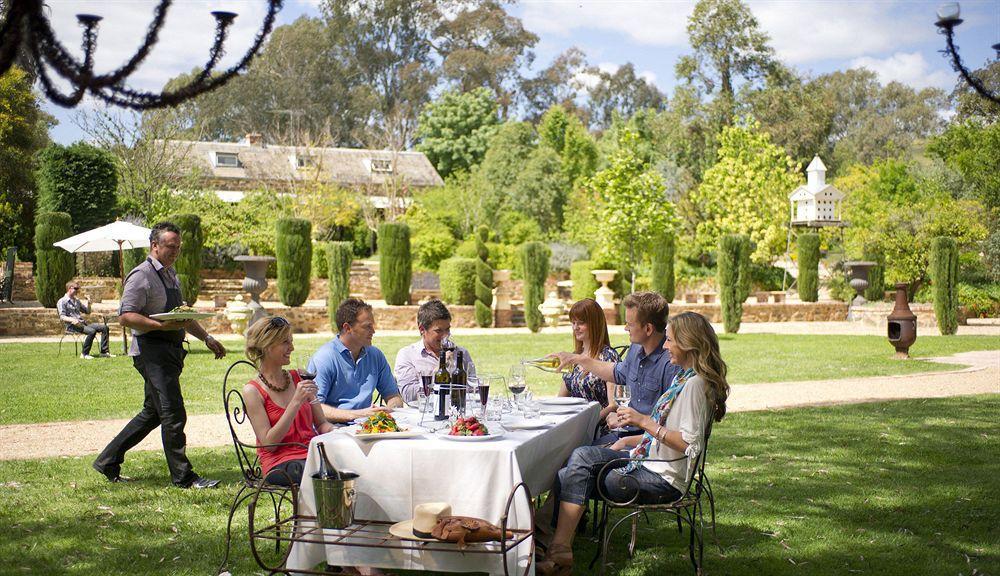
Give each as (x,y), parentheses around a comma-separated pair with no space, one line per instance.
(200,483)
(112,476)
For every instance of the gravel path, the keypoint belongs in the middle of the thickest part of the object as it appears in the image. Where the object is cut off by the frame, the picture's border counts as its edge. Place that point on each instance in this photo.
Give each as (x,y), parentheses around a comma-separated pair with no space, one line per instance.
(980,374)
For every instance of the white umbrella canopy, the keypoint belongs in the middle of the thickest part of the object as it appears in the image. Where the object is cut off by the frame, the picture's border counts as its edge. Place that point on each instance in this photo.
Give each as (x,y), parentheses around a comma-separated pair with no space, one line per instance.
(119,235)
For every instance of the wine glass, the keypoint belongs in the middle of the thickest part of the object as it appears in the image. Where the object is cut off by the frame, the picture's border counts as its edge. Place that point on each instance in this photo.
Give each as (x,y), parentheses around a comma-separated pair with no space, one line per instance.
(622,396)
(307,373)
(482,386)
(517,381)
(426,386)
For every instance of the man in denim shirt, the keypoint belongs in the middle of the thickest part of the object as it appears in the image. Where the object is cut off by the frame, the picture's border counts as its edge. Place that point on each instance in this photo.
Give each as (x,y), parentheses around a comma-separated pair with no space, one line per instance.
(646,369)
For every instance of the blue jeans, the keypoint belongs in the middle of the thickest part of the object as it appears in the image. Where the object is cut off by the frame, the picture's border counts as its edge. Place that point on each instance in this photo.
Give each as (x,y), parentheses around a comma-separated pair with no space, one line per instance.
(578,480)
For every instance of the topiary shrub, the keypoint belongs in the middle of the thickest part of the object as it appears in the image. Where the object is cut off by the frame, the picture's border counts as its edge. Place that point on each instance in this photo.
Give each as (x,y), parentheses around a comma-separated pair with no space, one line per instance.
(663,267)
(484,280)
(458,280)
(808,280)
(944,275)
(320,265)
(339,256)
(536,270)
(584,283)
(188,264)
(79,180)
(54,267)
(875,292)
(293,247)
(733,278)
(396,267)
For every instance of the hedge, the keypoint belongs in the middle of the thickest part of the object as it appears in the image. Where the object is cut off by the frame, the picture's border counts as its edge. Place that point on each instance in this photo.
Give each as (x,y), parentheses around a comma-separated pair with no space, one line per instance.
(484,280)
(396,267)
(663,267)
(79,180)
(584,283)
(293,247)
(320,265)
(458,280)
(808,280)
(339,256)
(536,270)
(944,275)
(875,292)
(188,264)
(54,267)
(734,278)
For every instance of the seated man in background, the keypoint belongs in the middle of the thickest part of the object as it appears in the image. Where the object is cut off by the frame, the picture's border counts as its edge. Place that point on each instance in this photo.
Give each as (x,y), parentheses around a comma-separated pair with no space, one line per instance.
(349,369)
(71,310)
(423,356)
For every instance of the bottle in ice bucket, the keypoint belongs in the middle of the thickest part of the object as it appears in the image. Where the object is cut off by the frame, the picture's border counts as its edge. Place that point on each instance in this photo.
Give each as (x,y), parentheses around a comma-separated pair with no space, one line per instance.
(459,384)
(546,363)
(326,469)
(442,385)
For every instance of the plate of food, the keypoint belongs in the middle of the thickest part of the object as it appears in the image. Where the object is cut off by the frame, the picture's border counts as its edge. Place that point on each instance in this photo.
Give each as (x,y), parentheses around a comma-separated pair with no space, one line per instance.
(562,401)
(382,426)
(469,430)
(182,313)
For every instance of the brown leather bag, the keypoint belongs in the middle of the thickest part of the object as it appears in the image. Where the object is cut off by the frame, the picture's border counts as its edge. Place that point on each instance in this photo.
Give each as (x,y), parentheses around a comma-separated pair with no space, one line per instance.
(463,529)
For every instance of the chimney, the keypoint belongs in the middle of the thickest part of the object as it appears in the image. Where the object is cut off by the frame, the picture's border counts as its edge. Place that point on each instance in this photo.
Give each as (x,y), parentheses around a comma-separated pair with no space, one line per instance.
(255,139)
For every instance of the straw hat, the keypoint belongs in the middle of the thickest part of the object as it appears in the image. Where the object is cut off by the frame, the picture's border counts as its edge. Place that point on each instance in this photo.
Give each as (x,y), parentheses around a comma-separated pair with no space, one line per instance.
(425,518)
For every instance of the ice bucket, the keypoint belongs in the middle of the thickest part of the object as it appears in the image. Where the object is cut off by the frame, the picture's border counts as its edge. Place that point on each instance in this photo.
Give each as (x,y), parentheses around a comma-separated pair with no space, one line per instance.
(335,499)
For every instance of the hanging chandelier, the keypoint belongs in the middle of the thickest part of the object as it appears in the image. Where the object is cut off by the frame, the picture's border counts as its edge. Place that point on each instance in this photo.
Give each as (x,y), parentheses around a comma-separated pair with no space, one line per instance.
(948,18)
(25,27)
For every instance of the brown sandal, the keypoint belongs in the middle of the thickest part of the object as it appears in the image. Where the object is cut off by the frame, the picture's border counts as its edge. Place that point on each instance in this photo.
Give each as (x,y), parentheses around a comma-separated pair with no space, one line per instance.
(558,562)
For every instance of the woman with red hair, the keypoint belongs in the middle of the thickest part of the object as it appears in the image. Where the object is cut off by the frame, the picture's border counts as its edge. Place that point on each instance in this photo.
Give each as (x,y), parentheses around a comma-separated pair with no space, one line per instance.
(590,337)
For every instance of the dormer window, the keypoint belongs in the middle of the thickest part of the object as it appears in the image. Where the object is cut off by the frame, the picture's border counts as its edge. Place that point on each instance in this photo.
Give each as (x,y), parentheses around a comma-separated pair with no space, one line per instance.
(227,160)
(381,166)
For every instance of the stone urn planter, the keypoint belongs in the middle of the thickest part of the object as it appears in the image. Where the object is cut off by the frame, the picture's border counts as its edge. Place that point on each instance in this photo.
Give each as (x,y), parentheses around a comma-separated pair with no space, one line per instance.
(255,282)
(606,296)
(502,312)
(238,314)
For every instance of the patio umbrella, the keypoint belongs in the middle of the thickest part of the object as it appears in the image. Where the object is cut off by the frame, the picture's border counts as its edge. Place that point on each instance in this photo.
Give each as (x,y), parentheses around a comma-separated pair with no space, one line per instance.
(119,235)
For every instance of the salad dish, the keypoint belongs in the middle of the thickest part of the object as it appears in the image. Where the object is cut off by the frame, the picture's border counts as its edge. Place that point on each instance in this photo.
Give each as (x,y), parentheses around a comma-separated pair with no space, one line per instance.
(182,313)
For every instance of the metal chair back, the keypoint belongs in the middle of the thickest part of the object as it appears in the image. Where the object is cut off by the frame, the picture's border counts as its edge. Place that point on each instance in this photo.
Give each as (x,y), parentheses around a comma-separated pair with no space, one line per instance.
(239,422)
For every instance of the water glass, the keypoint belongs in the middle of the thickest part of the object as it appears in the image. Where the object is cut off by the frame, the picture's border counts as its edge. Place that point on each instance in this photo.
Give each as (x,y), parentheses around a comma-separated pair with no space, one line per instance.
(495,409)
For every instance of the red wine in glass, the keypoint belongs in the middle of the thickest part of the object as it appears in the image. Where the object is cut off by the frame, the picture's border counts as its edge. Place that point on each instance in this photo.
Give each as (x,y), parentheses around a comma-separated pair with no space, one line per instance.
(426,380)
(484,394)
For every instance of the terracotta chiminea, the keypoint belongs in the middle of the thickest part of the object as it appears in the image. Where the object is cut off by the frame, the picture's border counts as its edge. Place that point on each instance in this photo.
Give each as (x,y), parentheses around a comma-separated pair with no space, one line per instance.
(902,324)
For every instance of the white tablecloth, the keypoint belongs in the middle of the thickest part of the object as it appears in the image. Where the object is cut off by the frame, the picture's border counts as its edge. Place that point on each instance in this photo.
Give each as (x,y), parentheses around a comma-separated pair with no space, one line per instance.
(474,477)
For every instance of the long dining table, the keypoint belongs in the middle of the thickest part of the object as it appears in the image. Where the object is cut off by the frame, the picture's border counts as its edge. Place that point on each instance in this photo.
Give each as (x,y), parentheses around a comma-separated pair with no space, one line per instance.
(475,478)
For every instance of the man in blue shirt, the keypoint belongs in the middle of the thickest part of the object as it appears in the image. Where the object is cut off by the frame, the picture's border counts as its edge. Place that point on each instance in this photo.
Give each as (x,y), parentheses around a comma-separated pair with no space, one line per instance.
(646,369)
(349,369)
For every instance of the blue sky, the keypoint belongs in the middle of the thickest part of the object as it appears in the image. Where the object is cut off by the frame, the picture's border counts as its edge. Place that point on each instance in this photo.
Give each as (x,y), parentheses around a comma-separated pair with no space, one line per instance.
(896,39)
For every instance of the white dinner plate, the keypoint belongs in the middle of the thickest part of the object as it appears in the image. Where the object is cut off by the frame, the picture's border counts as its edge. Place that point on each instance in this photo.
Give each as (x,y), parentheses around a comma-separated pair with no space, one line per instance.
(572,409)
(562,401)
(412,432)
(182,315)
(471,438)
(522,424)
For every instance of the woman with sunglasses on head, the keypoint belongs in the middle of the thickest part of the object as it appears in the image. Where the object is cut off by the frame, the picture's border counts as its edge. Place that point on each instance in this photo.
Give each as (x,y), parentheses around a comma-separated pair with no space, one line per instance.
(675,429)
(279,404)
(590,338)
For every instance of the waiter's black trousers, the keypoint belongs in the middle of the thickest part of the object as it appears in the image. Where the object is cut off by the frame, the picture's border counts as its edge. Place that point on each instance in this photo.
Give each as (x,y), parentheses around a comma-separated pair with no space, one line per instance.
(160,364)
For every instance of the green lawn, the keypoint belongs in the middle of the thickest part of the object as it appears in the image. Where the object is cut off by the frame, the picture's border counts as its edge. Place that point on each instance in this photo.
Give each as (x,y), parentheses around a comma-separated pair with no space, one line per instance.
(901,488)
(36,385)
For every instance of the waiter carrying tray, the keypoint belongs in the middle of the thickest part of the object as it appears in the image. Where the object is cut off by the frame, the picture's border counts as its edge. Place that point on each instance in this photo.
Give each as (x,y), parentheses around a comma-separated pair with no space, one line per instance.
(157,353)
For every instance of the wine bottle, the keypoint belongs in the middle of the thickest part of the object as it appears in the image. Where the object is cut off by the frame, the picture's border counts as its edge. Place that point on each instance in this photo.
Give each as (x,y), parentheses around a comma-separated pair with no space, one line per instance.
(459,384)
(442,381)
(548,364)
(326,469)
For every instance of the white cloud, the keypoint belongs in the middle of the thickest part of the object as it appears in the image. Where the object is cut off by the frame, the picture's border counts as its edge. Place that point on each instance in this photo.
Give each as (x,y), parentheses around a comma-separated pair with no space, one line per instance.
(649,76)
(649,23)
(812,31)
(908,68)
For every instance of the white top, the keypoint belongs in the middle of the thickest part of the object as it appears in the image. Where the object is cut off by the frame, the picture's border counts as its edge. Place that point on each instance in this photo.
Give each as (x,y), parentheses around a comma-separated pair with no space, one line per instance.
(689,414)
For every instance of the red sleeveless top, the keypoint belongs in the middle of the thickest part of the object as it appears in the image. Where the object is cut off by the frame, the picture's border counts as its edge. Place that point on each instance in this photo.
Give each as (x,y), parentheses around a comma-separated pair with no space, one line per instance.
(302,430)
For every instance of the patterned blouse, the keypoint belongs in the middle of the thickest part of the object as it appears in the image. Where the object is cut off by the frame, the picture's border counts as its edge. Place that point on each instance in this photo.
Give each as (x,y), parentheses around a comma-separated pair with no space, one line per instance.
(586,385)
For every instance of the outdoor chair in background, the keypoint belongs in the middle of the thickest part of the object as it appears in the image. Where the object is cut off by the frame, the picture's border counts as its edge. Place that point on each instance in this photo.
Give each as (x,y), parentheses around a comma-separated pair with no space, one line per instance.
(687,509)
(7,278)
(73,335)
(253,486)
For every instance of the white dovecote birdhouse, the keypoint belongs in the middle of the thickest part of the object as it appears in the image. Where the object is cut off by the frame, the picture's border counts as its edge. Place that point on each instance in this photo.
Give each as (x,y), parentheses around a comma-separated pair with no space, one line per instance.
(817,203)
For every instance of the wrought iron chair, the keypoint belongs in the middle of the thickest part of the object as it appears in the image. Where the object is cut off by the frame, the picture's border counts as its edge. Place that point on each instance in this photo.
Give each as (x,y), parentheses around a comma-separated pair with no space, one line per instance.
(687,509)
(253,485)
(72,335)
